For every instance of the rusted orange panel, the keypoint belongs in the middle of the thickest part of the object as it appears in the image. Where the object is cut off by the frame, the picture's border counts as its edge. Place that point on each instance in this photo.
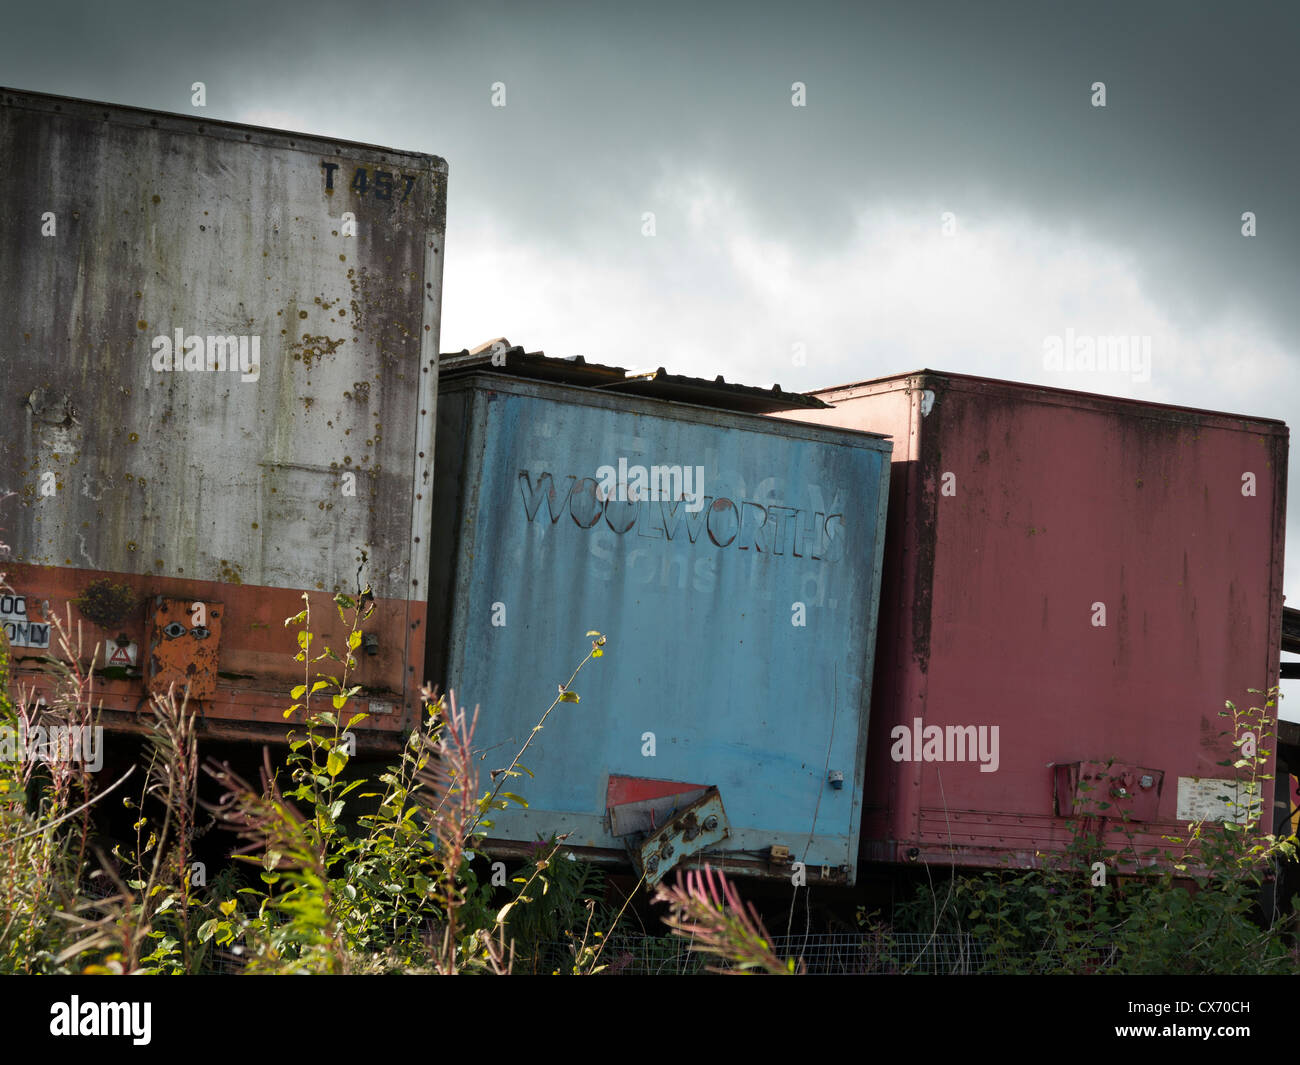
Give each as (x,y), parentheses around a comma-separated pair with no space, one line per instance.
(185,647)
(254,666)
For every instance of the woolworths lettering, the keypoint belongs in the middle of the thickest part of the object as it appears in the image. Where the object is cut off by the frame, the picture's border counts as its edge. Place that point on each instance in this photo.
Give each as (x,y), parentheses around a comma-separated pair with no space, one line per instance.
(780,530)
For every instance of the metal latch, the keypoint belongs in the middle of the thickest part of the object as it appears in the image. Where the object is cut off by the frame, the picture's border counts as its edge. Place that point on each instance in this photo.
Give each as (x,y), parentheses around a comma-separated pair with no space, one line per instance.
(1108,789)
(700,825)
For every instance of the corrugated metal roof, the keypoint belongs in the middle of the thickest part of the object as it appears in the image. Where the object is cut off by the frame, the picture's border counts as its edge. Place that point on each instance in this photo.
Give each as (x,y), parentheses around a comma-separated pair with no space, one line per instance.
(1291,630)
(1054,390)
(656,384)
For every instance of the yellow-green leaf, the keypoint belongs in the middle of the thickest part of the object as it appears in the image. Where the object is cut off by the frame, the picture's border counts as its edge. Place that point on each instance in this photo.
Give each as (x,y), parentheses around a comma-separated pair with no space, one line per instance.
(335,762)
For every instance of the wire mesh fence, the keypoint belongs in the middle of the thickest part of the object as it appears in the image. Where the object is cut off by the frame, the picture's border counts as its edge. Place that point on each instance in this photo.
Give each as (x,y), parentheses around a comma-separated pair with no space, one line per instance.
(834,954)
(827,955)
(841,953)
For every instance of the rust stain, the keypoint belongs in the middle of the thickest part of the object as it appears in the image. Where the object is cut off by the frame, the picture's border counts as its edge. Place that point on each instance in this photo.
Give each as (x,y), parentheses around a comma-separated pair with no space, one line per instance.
(930,474)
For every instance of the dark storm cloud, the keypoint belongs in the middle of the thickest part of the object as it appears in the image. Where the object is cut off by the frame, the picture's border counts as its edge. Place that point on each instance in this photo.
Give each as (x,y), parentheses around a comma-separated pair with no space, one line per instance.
(975,107)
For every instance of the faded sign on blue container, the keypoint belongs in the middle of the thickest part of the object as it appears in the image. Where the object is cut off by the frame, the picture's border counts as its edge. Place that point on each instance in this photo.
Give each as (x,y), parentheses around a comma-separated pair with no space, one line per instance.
(733,563)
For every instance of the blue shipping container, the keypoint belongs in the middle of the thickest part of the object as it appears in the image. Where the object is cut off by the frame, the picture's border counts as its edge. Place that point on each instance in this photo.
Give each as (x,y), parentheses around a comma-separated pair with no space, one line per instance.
(732,561)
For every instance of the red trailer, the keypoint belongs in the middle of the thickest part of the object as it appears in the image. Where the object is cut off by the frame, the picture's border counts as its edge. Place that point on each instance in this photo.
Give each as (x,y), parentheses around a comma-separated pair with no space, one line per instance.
(1073,586)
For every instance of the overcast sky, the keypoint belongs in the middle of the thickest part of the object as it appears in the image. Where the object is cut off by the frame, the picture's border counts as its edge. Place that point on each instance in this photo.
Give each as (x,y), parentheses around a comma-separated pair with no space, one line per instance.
(774,225)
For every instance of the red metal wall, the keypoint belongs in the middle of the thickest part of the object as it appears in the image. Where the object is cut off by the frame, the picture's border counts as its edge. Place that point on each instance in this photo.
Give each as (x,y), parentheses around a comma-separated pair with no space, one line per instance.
(1013,510)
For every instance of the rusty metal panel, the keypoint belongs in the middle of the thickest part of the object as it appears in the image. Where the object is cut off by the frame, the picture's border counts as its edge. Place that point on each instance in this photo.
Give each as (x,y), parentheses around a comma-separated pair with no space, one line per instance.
(648,814)
(219,350)
(701,826)
(184,647)
(1018,513)
(740,620)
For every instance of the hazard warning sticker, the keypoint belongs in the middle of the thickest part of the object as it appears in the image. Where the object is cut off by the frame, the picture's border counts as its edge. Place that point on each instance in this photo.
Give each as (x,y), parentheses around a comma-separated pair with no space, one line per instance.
(116,654)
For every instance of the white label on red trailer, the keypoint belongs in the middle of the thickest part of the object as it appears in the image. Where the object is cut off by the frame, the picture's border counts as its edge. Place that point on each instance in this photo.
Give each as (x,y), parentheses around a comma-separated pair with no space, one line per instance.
(1217,799)
(19,629)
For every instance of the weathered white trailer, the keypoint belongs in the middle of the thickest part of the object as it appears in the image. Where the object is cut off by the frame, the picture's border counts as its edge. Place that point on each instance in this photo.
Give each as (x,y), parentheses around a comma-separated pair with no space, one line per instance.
(219,351)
